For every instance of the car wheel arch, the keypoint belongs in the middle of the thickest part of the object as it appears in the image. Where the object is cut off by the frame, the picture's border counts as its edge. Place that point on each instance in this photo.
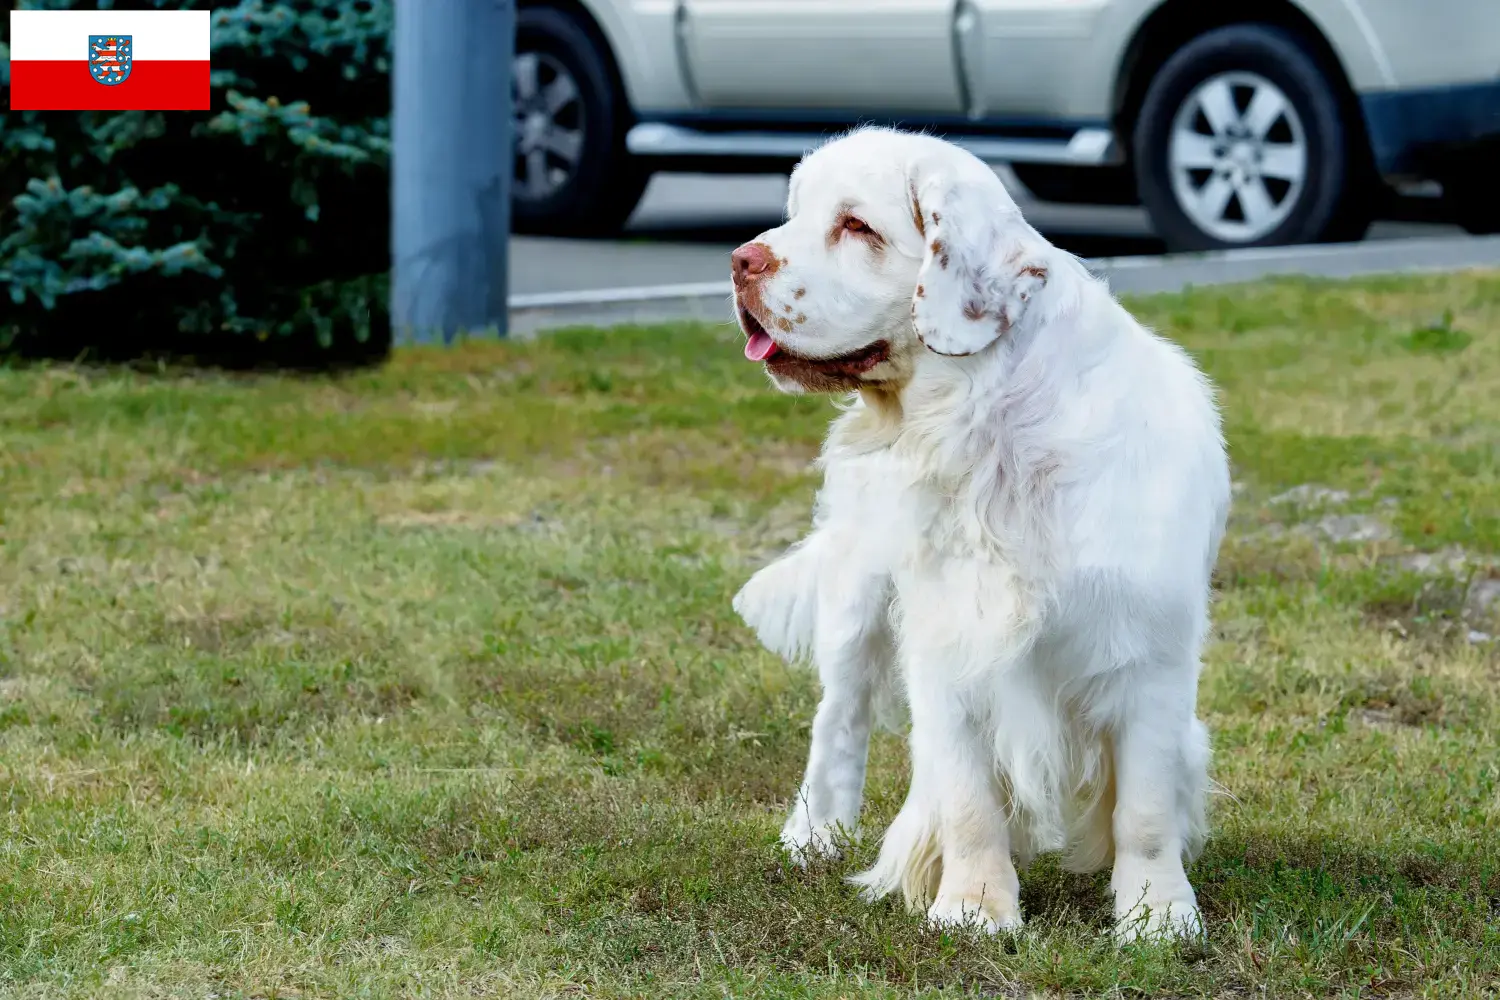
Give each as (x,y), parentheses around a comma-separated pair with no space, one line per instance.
(1173,23)
(589,22)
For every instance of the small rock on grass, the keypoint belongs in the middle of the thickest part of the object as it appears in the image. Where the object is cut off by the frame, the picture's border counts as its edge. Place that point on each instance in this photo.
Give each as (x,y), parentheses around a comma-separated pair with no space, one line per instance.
(1484,599)
(1311,494)
(1354,528)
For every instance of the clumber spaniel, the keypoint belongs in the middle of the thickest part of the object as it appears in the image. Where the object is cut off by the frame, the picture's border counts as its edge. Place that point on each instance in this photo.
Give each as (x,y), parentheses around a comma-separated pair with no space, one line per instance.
(1022,504)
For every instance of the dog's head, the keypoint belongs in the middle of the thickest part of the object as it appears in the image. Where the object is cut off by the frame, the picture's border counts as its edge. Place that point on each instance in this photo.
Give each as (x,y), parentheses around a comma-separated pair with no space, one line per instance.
(895,244)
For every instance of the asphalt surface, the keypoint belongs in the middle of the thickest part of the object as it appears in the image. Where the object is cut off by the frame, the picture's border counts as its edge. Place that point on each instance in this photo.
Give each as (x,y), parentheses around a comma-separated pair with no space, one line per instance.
(687,224)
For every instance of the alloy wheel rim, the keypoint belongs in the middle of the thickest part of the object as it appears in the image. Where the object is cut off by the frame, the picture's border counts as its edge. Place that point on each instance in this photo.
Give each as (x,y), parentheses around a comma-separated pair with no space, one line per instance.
(549,125)
(1237,157)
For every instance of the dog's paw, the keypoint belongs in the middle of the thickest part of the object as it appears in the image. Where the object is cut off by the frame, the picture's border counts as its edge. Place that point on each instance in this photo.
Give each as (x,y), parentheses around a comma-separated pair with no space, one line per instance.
(1159,919)
(991,914)
(805,841)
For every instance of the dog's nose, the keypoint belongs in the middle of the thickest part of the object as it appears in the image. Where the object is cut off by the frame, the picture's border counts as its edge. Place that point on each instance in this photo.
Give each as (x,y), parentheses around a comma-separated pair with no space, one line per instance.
(750,260)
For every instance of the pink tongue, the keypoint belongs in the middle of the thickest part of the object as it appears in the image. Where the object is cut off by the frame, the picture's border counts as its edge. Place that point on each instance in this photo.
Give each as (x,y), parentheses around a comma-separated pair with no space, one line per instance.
(760,347)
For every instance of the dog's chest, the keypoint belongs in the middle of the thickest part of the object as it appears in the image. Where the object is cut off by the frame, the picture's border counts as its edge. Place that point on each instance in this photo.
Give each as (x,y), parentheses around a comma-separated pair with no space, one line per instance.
(868,500)
(897,514)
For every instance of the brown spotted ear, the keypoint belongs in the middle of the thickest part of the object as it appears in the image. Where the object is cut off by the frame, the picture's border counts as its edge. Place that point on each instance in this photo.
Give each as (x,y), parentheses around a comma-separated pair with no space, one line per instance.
(983,265)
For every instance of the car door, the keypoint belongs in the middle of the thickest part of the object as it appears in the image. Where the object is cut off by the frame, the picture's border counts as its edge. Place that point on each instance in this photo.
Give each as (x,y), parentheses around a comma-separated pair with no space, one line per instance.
(1043,60)
(858,57)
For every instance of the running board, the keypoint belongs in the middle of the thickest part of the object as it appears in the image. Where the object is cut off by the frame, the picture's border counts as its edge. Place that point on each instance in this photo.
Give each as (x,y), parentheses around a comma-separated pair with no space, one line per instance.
(1089,147)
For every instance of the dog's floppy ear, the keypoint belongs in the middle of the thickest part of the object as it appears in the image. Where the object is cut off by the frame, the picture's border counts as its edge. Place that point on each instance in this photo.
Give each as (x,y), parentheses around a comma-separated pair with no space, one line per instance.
(982,266)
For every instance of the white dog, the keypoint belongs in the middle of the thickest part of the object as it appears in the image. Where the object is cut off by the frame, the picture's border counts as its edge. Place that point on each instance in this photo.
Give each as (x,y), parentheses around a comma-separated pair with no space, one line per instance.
(1021,509)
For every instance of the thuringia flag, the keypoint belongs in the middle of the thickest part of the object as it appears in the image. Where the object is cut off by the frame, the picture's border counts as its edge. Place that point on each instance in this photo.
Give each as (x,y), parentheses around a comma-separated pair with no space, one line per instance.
(109,60)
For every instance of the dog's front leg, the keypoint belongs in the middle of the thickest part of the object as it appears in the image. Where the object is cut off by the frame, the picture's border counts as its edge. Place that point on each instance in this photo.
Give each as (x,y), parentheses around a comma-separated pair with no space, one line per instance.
(818,601)
(1161,764)
(978,884)
(948,850)
(853,650)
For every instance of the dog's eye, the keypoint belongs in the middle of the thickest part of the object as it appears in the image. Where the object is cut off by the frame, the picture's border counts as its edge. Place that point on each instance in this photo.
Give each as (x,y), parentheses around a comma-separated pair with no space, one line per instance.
(850,225)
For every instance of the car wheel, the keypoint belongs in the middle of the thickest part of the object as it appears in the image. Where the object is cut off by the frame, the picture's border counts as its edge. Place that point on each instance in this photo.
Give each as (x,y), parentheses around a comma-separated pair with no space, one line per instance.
(1242,141)
(573,175)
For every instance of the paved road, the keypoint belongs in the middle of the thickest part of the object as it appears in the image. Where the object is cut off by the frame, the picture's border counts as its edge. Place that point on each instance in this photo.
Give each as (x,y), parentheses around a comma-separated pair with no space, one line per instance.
(687,224)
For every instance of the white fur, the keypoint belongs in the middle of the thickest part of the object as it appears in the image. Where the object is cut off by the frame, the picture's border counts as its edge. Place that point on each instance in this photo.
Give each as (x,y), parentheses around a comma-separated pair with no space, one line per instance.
(1020,513)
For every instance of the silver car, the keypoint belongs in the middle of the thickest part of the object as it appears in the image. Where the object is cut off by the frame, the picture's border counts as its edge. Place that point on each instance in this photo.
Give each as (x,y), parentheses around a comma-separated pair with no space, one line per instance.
(1234,124)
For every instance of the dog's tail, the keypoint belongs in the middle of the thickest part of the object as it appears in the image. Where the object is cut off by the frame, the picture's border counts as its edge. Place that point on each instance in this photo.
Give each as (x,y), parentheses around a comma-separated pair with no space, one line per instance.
(1091,836)
(910,860)
(780,602)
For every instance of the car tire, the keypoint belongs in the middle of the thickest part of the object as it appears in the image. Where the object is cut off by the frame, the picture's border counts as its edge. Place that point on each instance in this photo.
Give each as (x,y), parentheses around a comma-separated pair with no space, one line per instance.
(573,175)
(1242,140)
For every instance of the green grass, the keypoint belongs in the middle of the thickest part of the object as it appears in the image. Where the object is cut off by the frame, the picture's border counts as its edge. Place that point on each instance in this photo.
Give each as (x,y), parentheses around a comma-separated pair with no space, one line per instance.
(424,681)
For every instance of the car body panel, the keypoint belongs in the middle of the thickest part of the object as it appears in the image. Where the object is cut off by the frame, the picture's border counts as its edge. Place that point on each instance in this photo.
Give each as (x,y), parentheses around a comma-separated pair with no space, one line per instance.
(1349,32)
(1021,58)
(1031,59)
(851,55)
(1037,79)
(1061,59)
(642,38)
(1416,133)
(1437,43)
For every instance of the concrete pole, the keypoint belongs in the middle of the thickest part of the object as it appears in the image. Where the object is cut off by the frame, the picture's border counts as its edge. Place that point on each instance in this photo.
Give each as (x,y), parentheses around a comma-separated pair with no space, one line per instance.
(451,166)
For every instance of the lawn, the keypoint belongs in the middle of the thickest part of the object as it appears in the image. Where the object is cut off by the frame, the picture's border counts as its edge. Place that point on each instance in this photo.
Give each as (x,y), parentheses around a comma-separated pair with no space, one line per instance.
(424,681)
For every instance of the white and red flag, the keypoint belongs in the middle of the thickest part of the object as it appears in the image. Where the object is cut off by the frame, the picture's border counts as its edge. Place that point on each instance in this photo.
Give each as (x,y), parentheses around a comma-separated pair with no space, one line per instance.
(109,60)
